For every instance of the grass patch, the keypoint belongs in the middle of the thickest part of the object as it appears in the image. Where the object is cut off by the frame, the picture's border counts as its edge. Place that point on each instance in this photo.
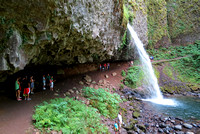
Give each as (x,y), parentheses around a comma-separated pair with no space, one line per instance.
(69,116)
(105,102)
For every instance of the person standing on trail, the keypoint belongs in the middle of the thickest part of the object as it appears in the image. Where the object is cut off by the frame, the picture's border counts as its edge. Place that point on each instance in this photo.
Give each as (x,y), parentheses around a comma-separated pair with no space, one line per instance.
(32,84)
(51,83)
(100,67)
(48,79)
(44,82)
(17,85)
(116,127)
(120,120)
(105,66)
(26,89)
(151,58)
(108,66)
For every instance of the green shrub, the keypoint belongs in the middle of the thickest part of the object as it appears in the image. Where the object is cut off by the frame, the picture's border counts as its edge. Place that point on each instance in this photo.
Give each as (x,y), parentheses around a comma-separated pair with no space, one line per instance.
(188,68)
(68,115)
(175,51)
(121,86)
(134,77)
(105,102)
(123,73)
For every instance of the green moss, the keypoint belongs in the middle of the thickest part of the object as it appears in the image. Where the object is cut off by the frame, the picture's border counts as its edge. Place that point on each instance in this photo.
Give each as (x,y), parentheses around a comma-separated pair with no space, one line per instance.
(171,88)
(157,18)
(125,15)
(133,121)
(142,127)
(157,73)
(182,16)
(168,70)
(123,110)
(136,114)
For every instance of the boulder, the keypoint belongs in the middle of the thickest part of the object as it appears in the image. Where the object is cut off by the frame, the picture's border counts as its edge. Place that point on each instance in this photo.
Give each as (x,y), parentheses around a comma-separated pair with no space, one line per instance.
(179,132)
(131,132)
(104,82)
(93,82)
(68,93)
(106,76)
(178,127)
(71,91)
(160,130)
(162,125)
(189,133)
(172,121)
(114,74)
(186,125)
(91,86)
(88,78)
(56,94)
(136,114)
(100,81)
(81,83)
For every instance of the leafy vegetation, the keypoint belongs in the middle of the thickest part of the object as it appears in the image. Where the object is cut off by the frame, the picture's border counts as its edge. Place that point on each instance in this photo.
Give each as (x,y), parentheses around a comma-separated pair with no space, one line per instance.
(105,102)
(123,73)
(69,116)
(188,67)
(134,77)
(175,51)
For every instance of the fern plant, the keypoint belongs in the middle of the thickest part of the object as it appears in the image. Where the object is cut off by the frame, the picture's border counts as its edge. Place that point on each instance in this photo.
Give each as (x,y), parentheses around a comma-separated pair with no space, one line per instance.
(69,116)
(106,103)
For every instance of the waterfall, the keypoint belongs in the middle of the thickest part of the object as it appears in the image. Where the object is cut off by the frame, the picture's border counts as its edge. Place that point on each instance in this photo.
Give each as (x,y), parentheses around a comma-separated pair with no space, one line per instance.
(150,80)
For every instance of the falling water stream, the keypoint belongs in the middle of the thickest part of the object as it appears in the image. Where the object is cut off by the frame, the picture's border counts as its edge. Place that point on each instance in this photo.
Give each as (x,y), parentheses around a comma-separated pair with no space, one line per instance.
(150,80)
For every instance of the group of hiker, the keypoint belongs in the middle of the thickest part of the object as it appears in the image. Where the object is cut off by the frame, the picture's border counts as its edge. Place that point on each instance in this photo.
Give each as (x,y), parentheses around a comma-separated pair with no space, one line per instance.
(104,66)
(24,86)
(48,81)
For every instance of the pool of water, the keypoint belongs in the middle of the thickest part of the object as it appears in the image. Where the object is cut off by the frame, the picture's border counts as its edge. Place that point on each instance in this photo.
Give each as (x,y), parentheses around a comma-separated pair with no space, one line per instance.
(187,108)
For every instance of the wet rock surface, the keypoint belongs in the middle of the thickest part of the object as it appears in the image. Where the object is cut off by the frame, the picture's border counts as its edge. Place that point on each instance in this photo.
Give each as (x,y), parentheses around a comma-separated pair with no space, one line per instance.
(150,121)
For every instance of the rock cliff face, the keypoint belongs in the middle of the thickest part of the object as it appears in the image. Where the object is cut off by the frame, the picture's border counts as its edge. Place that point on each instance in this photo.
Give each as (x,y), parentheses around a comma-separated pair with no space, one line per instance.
(59,31)
(65,32)
(183,21)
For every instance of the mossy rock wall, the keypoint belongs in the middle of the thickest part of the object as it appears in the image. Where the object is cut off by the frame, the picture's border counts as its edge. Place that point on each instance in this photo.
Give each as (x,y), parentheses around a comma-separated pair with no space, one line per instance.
(157,24)
(65,32)
(58,32)
(173,22)
(183,21)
